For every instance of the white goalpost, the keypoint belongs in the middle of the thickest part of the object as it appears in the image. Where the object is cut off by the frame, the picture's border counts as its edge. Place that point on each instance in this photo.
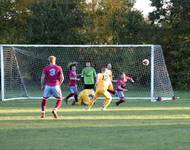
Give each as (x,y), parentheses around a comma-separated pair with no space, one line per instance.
(21,67)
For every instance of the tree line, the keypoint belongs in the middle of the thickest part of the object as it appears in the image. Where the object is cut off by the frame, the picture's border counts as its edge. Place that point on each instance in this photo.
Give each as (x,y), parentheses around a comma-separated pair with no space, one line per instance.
(102,22)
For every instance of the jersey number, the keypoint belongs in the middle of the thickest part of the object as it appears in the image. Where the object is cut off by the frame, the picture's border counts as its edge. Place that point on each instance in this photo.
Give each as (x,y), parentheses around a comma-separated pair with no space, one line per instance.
(52,72)
(105,77)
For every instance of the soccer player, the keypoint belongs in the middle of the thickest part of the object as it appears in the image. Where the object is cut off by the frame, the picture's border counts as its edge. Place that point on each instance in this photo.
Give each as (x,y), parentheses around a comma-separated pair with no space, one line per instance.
(121,84)
(89,75)
(109,72)
(51,79)
(102,84)
(72,83)
(85,96)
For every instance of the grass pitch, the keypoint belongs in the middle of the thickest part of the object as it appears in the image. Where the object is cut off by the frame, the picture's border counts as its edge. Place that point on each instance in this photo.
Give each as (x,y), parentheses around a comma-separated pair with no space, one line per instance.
(135,125)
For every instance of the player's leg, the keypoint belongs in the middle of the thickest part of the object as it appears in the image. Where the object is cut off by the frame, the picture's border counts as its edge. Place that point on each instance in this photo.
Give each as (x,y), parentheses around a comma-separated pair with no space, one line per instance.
(75,90)
(121,96)
(91,103)
(107,101)
(46,95)
(71,94)
(56,92)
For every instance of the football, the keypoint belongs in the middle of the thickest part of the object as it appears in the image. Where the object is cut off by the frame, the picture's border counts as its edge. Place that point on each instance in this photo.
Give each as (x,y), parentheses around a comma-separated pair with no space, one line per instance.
(145,62)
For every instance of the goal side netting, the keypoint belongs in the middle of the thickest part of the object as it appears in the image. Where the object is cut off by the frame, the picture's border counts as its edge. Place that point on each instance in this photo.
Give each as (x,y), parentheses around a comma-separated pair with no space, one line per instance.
(21,68)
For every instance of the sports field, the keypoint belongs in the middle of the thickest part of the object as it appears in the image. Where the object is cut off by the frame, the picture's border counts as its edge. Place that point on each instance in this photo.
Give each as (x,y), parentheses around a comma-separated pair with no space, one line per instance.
(135,125)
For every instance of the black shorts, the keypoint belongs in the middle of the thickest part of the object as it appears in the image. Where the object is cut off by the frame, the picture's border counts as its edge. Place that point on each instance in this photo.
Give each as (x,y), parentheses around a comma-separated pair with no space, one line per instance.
(88,86)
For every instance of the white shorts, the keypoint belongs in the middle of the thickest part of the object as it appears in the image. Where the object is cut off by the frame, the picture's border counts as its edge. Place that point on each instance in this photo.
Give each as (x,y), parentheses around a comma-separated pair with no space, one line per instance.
(54,91)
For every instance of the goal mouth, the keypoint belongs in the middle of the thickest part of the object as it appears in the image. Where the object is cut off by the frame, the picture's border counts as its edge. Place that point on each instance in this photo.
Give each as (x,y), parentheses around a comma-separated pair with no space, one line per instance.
(21,67)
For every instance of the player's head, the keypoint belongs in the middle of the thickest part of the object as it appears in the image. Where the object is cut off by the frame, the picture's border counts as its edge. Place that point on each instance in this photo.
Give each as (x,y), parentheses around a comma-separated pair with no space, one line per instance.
(109,66)
(88,64)
(52,59)
(72,65)
(103,70)
(122,76)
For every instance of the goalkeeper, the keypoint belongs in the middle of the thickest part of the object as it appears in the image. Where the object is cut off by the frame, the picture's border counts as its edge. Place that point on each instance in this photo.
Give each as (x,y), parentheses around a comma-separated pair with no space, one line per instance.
(89,75)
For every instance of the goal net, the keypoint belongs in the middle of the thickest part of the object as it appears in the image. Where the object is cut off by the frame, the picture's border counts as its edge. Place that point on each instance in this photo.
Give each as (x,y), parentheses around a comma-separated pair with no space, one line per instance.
(21,68)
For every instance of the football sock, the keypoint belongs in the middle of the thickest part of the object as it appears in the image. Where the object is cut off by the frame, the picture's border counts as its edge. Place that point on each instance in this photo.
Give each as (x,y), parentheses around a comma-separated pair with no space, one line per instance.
(58,104)
(43,105)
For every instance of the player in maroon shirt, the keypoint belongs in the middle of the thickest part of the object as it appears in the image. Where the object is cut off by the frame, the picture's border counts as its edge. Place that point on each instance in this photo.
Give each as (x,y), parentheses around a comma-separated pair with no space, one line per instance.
(72,83)
(120,88)
(51,80)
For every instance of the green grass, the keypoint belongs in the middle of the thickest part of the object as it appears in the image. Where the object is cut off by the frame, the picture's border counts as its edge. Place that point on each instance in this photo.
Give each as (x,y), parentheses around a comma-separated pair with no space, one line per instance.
(136,125)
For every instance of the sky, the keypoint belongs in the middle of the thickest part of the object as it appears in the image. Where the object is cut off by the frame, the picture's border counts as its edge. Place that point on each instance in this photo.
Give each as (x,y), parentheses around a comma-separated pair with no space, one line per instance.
(144,6)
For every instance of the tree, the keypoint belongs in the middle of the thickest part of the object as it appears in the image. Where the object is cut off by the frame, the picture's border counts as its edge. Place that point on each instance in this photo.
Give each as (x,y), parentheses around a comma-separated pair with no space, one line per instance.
(173,18)
(13,16)
(55,22)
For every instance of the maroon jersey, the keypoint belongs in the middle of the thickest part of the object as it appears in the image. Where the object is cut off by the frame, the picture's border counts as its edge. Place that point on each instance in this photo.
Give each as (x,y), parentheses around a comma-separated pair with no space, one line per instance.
(122,83)
(52,74)
(72,74)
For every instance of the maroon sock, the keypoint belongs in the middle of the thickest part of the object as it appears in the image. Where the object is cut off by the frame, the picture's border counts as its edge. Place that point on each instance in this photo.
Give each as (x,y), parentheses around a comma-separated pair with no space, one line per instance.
(43,104)
(58,104)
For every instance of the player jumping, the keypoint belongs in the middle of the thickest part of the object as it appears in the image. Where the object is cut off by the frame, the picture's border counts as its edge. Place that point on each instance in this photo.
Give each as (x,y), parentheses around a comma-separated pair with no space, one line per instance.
(51,80)
(121,84)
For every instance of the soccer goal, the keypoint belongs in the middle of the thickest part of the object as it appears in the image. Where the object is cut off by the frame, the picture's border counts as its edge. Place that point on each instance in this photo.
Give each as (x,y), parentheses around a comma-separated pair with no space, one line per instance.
(21,68)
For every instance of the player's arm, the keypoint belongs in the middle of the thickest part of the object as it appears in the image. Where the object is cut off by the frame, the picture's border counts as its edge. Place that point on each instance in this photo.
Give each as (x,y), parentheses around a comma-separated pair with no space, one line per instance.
(82,74)
(42,80)
(61,77)
(120,88)
(97,79)
(131,79)
(74,78)
(94,72)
